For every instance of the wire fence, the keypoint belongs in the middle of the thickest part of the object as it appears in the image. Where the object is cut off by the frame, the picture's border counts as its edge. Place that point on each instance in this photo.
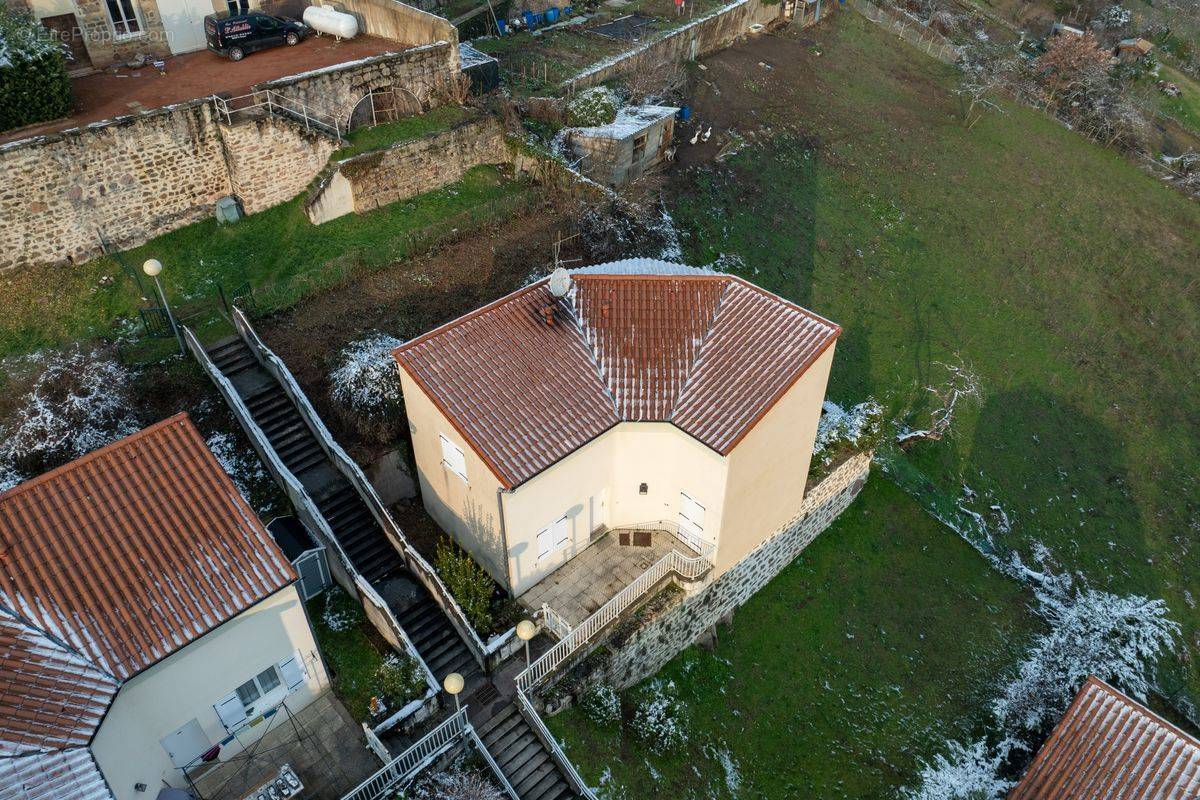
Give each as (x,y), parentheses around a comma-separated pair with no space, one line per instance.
(915,33)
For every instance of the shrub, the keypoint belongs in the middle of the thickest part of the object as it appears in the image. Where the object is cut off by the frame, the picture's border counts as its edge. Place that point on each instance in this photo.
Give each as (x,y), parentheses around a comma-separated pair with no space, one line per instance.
(459,782)
(365,387)
(34,86)
(601,705)
(78,401)
(466,580)
(964,773)
(658,720)
(840,431)
(596,106)
(398,681)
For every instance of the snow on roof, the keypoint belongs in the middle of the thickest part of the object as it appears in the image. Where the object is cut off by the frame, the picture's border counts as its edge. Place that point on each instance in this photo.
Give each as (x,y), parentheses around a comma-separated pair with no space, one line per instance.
(470,57)
(1107,746)
(635,340)
(135,550)
(64,775)
(630,120)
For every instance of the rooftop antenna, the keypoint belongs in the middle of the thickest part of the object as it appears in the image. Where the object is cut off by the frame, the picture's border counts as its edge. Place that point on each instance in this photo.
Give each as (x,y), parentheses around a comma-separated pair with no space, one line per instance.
(560,282)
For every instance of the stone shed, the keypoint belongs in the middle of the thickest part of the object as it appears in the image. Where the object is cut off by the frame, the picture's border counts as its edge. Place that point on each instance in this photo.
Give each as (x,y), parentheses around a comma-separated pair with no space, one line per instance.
(623,150)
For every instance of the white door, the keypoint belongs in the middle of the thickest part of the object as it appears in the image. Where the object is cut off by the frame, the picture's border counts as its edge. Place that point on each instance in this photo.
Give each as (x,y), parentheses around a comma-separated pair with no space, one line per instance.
(691,520)
(186,744)
(184,21)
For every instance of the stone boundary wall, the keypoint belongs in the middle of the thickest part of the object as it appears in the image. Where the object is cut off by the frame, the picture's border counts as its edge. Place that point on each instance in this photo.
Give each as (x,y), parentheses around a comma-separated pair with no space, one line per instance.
(336,90)
(391,19)
(664,637)
(715,31)
(135,177)
(380,177)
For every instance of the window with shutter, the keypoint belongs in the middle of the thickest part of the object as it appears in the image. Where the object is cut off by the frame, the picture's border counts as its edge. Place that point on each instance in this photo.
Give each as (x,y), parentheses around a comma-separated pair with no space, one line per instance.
(453,457)
(293,670)
(230,710)
(561,532)
(545,541)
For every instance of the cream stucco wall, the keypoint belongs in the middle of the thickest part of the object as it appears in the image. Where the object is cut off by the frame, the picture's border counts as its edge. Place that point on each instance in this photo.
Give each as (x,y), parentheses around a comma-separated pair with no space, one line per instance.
(768,469)
(599,485)
(468,510)
(746,495)
(185,685)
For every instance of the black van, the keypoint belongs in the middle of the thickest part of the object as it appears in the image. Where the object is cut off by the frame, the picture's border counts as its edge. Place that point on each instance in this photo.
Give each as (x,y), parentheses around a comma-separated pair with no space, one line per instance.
(235,35)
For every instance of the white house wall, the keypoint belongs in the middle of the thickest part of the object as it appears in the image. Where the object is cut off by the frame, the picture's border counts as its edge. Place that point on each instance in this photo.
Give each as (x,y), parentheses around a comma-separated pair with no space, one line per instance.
(468,510)
(599,484)
(185,686)
(768,469)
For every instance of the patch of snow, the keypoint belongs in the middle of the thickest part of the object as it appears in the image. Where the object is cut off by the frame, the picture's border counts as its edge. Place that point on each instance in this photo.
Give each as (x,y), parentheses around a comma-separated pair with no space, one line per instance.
(964,772)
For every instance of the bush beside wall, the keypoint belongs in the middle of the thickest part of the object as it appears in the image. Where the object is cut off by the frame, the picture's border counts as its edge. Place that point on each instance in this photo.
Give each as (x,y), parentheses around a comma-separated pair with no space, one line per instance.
(34,86)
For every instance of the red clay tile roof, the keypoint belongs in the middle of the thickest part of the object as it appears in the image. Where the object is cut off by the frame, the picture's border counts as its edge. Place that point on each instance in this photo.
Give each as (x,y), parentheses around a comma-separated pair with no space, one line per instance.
(1109,747)
(111,563)
(64,775)
(131,552)
(632,341)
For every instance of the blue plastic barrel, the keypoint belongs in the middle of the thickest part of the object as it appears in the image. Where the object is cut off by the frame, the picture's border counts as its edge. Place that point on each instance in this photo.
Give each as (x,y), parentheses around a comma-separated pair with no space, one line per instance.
(551,16)
(684,114)
(501,27)
(530,19)
(567,11)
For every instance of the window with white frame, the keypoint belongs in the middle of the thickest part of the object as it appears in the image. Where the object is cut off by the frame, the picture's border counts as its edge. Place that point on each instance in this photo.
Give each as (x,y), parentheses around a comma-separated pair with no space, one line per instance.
(554,536)
(124,17)
(453,457)
(261,692)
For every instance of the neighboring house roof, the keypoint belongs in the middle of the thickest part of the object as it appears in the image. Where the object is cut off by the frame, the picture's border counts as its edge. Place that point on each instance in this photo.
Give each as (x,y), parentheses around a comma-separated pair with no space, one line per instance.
(629,120)
(1109,747)
(636,340)
(1141,45)
(111,563)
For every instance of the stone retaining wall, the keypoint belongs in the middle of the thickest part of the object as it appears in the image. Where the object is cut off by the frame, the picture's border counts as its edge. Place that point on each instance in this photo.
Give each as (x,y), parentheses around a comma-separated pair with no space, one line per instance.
(667,635)
(714,31)
(407,169)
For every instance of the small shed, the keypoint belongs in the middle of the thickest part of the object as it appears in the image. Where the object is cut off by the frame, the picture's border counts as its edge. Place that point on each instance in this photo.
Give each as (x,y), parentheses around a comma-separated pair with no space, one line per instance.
(1130,51)
(306,554)
(482,70)
(623,150)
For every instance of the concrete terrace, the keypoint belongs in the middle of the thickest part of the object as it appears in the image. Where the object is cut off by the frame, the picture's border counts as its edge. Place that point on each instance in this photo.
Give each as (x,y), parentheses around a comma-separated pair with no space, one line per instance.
(578,588)
(119,91)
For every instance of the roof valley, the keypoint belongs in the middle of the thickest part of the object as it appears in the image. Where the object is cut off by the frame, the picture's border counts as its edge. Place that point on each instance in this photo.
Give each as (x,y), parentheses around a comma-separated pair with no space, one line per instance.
(694,367)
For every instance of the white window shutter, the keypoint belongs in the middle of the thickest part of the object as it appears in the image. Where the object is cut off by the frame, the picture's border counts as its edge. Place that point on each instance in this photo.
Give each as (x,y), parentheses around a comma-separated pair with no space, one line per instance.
(293,670)
(453,457)
(561,532)
(545,542)
(231,711)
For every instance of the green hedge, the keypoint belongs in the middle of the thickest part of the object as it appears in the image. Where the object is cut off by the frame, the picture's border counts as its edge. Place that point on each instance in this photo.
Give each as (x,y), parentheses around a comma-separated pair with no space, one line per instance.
(34,86)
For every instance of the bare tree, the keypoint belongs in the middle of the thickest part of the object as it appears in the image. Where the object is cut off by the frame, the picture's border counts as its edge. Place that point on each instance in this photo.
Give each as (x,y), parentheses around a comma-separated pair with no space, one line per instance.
(961,386)
(986,68)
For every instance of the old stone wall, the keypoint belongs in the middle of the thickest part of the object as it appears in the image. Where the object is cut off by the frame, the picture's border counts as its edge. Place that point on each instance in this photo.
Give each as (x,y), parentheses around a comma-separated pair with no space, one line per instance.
(707,34)
(127,180)
(271,160)
(337,90)
(406,169)
(665,636)
(403,23)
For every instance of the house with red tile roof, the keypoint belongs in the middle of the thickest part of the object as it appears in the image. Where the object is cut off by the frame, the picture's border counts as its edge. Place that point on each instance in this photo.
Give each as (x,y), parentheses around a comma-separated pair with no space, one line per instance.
(1108,746)
(149,625)
(633,395)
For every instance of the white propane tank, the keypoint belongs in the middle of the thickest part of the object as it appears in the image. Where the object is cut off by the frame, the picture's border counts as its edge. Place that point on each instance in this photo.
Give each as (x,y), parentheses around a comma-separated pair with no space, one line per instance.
(324,19)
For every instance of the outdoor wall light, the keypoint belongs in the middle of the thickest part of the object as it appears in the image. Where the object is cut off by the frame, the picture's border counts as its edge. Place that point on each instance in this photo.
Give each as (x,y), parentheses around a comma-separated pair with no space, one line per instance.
(453,684)
(643,488)
(526,630)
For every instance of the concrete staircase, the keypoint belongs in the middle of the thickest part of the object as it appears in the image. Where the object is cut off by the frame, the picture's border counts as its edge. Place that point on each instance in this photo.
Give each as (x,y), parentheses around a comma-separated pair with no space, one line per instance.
(522,757)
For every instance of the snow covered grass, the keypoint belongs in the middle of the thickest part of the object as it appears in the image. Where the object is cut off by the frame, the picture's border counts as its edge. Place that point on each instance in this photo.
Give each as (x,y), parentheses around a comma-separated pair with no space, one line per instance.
(888,636)
(658,719)
(1083,433)
(243,465)
(365,386)
(601,705)
(77,401)
(353,650)
(965,772)
(840,431)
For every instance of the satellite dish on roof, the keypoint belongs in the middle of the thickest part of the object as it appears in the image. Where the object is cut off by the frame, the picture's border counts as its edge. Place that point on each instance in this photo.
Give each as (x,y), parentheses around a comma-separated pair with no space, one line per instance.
(560,282)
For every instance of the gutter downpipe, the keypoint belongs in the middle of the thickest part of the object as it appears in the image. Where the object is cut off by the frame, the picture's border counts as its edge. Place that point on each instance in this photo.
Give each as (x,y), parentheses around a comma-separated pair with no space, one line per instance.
(500,492)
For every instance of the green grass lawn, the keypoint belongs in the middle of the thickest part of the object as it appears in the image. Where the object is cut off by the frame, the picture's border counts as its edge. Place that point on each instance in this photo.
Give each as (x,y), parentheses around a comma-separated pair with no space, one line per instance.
(886,637)
(402,130)
(1063,275)
(278,252)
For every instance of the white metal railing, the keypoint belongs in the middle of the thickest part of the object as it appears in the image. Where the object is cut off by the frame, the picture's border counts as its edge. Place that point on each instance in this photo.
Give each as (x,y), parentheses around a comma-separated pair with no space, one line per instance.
(353,473)
(300,499)
(375,745)
(491,762)
(674,562)
(416,758)
(280,105)
(556,623)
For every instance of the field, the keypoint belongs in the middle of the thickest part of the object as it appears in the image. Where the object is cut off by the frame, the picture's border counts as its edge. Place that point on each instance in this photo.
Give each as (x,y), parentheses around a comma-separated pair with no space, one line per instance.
(278,252)
(887,636)
(1060,274)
